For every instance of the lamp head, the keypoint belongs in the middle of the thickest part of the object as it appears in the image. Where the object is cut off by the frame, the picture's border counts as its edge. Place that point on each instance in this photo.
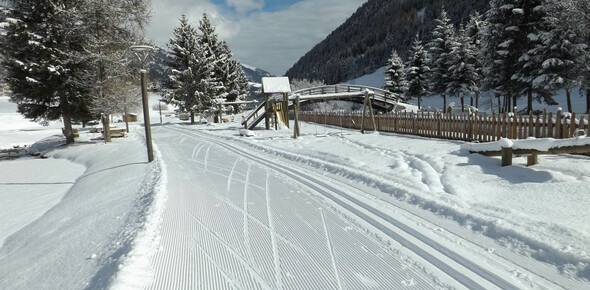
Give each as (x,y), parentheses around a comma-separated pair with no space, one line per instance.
(141,48)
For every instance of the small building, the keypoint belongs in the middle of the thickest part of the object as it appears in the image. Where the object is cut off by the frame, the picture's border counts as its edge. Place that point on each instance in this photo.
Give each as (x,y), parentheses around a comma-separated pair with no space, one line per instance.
(130,118)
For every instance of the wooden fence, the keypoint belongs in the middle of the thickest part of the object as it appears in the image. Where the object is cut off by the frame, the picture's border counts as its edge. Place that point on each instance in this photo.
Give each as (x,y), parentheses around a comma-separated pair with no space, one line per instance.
(484,127)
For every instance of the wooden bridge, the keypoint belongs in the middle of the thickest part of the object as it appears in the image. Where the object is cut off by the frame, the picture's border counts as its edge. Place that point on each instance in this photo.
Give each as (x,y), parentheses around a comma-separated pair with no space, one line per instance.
(382,100)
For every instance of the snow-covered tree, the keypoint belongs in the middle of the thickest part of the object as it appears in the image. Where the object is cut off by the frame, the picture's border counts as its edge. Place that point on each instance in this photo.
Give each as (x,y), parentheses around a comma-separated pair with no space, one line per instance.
(473,29)
(558,50)
(464,75)
(417,72)
(440,49)
(184,62)
(233,78)
(578,17)
(43,51)
(395,76)
(113,26)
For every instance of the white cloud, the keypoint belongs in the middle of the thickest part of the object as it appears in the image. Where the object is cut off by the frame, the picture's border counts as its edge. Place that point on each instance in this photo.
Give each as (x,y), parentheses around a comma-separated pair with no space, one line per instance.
(243,6)
(272,41)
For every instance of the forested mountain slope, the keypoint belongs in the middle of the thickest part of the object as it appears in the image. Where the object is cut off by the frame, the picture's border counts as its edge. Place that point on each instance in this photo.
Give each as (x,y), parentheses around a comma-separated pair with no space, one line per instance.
(364,41)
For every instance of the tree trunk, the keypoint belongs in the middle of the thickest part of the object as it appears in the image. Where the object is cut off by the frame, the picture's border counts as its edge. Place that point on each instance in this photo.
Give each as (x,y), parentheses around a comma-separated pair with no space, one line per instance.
(444,103)
(568,95)
(419,102)
(477,101)
(68,132)
(192,117)
(463,104)
(529,104)
(514,104)
(499,105)
(588,100)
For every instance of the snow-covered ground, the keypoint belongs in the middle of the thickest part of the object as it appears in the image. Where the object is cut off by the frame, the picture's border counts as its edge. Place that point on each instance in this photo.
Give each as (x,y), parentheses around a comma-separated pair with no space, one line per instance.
(332,209)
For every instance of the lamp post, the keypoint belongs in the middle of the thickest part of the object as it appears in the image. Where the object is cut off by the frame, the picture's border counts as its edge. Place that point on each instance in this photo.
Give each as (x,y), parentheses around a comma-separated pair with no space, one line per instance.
(141,51)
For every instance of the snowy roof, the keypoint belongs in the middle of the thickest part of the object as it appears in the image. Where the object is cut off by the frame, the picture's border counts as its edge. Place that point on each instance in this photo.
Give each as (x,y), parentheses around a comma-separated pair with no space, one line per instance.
(275,85)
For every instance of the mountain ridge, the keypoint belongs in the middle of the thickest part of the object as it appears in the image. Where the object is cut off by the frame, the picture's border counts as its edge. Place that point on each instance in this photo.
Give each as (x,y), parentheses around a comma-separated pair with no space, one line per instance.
(363,43)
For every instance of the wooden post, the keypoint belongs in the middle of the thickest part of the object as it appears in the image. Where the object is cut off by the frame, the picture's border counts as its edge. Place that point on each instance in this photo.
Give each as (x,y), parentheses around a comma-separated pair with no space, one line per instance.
(296,132)
(220,115)
(285,109)
(266,112)
(506,156)
(363,117)
(558,127)
(371,110)
(532,160)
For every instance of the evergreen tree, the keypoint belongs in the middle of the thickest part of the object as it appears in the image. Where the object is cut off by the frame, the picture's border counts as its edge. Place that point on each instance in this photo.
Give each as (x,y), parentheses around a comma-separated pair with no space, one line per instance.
(528,28)
(228,82)
(211,88)
(473,29)
(184,65)
(501,48)
(395,76)
(44,56)
(464,75)
(417,72)
(578,17)
(557,52)
(441,48)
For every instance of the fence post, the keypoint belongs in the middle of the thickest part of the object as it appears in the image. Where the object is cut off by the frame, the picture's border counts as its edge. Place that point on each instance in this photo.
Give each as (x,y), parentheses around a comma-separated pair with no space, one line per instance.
(506,156)
(558,125)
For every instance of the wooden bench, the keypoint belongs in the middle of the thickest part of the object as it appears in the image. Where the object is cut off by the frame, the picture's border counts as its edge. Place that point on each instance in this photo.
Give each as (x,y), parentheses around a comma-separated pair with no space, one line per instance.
(115,132)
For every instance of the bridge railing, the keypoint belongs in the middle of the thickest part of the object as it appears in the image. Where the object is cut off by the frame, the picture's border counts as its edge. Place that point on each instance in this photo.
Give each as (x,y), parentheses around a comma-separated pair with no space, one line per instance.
(380,94)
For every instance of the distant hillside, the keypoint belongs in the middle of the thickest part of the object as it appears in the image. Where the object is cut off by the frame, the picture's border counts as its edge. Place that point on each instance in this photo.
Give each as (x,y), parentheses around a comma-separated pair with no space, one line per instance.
(158,69)
(364,42)
(255,74)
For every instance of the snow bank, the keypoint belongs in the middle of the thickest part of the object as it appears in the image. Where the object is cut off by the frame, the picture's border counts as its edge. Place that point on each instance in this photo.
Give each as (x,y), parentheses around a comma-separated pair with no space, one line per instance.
(530,143)
(80,241)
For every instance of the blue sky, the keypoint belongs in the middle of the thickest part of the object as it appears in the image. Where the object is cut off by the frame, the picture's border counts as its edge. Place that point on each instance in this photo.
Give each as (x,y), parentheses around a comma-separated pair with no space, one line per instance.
(269,34)
(269,5)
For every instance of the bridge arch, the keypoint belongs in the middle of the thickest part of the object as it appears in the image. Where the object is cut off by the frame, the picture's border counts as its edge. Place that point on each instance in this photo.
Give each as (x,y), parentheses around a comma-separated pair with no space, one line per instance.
(382,100)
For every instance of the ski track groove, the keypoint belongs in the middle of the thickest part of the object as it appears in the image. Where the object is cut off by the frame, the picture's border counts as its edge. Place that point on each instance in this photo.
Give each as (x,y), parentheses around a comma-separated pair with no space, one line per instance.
(215,257)
(331,251)
(314,183)
(275,250)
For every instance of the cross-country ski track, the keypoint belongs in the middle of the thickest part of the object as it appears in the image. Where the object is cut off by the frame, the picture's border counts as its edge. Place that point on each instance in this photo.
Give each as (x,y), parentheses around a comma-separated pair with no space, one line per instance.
(239,217)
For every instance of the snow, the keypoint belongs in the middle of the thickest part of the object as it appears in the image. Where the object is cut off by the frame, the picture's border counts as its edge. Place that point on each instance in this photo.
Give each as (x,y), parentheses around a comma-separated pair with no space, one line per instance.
(275,85)
(349,210)
(531,143)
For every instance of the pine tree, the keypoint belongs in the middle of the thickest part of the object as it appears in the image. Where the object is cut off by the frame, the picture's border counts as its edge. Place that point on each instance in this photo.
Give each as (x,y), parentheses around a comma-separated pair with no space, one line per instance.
(557,51)
(464,75)
(184,66)
(417,72)
(441,48)
(211,87)
(395,76)
(473,29)
(228,82)
(578,18)
(44,56)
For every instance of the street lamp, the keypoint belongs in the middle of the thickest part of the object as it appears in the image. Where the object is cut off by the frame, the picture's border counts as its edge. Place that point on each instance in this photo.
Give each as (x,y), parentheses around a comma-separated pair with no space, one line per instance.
(142,52)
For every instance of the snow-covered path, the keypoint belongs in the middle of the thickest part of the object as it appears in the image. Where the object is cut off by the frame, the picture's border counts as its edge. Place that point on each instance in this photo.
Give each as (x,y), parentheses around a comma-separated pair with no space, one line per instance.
(245,215)
(233,222)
